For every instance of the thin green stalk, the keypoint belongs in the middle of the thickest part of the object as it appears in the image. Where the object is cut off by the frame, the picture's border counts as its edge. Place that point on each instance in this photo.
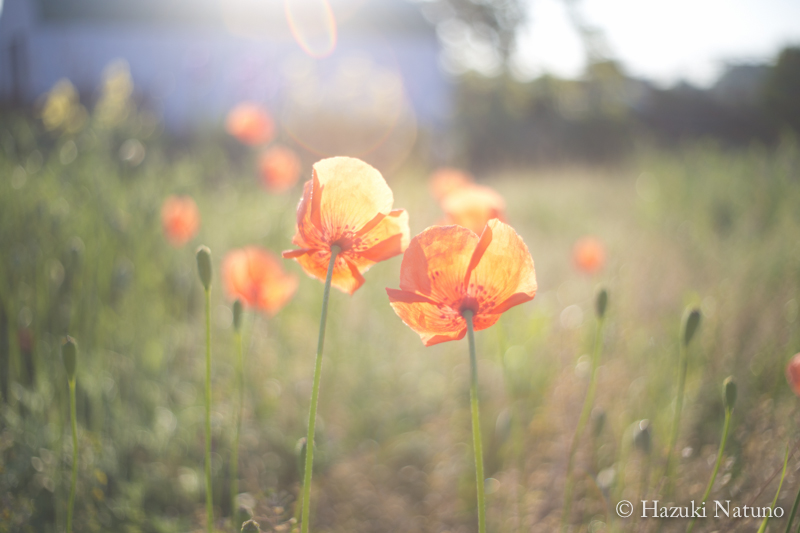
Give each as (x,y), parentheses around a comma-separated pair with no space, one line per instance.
(237,429)
(584,418)
(74,477)
(673,439)
(722,443)
(476,424)
(209,502)
(777,493)
(794,511)
(312,412)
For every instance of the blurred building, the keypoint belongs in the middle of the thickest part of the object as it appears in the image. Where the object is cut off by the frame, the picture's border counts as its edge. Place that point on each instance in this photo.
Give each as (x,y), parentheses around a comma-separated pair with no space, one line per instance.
(192,60)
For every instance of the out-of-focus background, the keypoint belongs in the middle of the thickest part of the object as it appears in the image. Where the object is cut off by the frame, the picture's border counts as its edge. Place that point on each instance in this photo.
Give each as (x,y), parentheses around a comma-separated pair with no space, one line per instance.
(666,132)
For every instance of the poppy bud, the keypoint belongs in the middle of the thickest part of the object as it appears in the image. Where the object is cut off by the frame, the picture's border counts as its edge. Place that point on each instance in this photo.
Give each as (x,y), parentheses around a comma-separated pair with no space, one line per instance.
(237,315)
(204,266)
(69,355)
(601,302)
(691,322)
(729,393)
(642,436)
(251,526)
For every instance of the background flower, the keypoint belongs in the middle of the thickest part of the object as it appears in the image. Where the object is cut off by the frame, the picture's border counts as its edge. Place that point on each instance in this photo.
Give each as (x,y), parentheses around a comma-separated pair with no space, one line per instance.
(180,219)
(250,123)
(256,276)
(589,255)
(279,167)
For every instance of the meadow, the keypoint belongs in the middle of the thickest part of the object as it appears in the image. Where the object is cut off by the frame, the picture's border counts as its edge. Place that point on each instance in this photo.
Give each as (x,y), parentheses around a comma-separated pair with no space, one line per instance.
(84,254)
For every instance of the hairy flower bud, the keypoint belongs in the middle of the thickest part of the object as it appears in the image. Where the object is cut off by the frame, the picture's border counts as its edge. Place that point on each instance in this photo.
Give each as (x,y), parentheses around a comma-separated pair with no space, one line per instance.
(69,355)
(204,266)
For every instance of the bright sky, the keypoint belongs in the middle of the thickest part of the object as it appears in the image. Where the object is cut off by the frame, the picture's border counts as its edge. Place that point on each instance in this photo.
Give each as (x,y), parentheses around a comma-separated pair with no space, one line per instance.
(666,40)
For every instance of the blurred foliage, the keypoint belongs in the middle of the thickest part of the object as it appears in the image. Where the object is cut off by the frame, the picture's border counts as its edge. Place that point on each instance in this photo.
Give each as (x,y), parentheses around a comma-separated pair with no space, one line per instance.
(607,115)
(83,254)
(783,87)
(494,22)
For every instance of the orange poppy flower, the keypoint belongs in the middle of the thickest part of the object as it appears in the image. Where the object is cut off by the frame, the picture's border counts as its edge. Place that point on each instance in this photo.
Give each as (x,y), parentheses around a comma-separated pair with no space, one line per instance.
(473,206)
(793,373)
(347,203)
(250,123)
(256,276)
(180,219)
(449,269)
(589,255)
(280,168)
(446,180)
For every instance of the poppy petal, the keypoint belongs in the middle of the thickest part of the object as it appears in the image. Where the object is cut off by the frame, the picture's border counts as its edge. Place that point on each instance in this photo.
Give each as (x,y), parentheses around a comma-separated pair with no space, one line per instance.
(504,276)
(351,194)
(436,262)
(388,238)
(346,276)
(433,322)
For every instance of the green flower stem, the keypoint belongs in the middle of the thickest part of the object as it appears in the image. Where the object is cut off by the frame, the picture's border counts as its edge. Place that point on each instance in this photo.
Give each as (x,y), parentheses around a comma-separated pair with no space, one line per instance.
(312,412)
(74,477)
(209,501)
(722,443)
(237,429)
(584,418)
(676,422)
(778,492)
(794,511)
(476,424)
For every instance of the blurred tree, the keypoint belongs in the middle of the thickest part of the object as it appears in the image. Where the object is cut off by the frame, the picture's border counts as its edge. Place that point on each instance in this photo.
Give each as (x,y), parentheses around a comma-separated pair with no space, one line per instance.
(463,25)
(782,89)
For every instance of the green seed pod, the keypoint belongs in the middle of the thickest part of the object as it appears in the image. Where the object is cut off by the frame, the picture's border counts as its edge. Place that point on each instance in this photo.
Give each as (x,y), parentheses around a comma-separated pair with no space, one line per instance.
(69,355)
(251,526)
(642,436)
(204,266)
(691,321)
(601,302)
(237,314)
(729,393)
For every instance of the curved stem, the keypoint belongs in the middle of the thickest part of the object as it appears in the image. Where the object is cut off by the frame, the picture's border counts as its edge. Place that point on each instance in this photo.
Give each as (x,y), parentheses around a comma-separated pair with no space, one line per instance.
(209,500)
(237,429)
(794,510)
(673,439)
(477,443)
(716,465)
(74,477)
(312,412)
(777,493)
(584,418)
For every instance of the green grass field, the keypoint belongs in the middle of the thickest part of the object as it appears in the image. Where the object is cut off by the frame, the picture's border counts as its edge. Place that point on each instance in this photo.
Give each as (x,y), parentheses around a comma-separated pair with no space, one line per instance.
(83,254)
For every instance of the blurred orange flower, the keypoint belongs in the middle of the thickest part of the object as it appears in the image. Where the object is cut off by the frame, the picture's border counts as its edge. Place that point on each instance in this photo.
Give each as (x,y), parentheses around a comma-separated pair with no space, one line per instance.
(256,276)
(449,269)
(250,123)
(793,373)
(180,219)
(280,168)
(589,255)
(446,180)
(347,203)
(472,206)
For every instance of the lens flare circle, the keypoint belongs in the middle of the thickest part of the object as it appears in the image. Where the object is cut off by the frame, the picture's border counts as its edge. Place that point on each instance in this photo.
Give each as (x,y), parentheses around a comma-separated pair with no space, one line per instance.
(313,26)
